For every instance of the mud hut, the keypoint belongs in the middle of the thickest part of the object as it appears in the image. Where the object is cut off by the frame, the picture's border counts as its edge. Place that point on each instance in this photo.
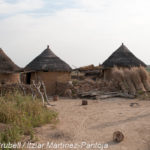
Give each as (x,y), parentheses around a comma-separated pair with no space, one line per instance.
(121,58)
(9,71)
(49,68)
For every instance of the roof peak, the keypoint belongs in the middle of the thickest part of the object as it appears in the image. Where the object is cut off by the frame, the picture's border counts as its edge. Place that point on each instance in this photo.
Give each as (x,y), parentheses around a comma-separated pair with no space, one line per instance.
(123,45)
(123,48)
(48,47)
(47,53)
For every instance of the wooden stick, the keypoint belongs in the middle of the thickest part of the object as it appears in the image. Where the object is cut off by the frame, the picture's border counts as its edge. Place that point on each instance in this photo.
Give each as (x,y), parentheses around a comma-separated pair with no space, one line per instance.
(23,89)
(38,86)
(33,93)
(46,97)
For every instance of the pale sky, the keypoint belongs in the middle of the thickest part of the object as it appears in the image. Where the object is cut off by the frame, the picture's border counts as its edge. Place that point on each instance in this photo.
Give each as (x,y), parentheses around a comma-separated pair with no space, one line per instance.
(80,32)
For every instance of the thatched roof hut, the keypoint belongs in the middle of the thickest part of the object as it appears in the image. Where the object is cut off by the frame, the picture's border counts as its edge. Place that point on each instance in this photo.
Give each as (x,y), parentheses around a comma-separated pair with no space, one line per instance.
(9,71)
(49,68)
(6,64)
(47,61)
(123,57)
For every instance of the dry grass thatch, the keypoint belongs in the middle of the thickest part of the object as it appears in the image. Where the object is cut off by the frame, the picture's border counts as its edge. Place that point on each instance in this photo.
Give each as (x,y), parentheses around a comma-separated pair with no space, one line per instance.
(123,57)
(48,61)
(6,64)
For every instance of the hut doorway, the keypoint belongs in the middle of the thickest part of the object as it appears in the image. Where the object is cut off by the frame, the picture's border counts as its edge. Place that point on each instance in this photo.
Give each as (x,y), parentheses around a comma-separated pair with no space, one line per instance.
(28,78)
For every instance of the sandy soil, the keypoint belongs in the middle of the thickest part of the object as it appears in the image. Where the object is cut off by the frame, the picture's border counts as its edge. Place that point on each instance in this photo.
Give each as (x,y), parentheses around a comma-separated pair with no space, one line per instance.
(96,122)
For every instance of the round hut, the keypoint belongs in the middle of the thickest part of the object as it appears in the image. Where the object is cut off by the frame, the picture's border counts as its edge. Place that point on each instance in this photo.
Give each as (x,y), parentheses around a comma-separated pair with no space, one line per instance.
(9,71)
(121,58)
(49,68)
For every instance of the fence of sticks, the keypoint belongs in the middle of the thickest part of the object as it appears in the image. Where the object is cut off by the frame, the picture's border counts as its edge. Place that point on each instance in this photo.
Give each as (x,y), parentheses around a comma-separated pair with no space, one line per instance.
(36,90)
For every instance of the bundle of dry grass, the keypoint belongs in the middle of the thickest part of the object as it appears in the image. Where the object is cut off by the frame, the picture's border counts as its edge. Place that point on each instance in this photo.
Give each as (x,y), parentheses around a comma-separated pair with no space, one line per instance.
(118,78)
(135,77)
(145,78)
(131,80)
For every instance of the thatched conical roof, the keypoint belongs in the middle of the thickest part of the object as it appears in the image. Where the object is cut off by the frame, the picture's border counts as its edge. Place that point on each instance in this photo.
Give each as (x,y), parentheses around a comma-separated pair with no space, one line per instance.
(123,57)
(47,61)
(6,64)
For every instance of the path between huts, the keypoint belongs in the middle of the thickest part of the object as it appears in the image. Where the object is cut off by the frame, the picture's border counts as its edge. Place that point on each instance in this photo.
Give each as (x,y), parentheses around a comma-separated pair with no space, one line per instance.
(96,122)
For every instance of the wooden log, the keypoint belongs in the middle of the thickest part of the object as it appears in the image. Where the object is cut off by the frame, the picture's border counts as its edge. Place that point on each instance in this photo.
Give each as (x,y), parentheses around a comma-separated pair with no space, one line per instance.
(84,102)
(124,95)
(45,93)
(33,93)
(55,98)
(38,86)
(118,136)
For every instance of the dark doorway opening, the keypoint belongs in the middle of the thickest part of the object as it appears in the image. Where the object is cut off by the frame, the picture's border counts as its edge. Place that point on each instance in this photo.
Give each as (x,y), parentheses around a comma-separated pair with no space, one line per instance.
(28,78)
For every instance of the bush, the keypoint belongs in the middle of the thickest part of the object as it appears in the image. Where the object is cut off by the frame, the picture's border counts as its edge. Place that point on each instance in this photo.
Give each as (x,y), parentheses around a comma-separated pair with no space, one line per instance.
(22,114)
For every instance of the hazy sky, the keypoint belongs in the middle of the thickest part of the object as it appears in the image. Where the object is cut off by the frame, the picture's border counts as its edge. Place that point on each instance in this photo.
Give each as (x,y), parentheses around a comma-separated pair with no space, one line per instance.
(81,32)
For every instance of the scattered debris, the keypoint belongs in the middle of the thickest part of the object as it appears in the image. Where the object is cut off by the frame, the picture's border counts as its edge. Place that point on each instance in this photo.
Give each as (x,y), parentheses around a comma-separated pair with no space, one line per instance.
(59,135)
(118,136)
(104,95)
(94,72)
(134,104)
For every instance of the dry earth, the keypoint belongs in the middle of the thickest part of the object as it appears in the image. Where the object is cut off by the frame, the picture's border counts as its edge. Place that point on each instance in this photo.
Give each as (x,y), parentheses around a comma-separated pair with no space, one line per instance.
(96,122)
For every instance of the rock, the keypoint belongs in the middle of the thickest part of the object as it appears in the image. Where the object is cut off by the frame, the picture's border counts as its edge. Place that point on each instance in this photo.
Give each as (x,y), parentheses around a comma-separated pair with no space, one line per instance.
(118,136)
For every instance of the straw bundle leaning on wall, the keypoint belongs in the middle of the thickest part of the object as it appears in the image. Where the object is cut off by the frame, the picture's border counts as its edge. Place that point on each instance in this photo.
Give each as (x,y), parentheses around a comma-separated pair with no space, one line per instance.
(136,78)
(131,80)
(145,78)
(128,78)
(118,77)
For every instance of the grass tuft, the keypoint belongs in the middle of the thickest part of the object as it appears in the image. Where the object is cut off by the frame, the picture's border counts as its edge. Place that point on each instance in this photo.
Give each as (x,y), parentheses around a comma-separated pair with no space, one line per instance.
(21,114)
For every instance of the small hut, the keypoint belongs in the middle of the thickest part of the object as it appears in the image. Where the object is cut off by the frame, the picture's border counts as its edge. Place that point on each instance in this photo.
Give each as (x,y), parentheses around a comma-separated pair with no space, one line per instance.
(9,71)
(121,58)
(49,68)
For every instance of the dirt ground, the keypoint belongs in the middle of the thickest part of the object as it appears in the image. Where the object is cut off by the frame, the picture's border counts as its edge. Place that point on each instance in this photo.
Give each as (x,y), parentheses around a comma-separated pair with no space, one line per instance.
(96,122)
